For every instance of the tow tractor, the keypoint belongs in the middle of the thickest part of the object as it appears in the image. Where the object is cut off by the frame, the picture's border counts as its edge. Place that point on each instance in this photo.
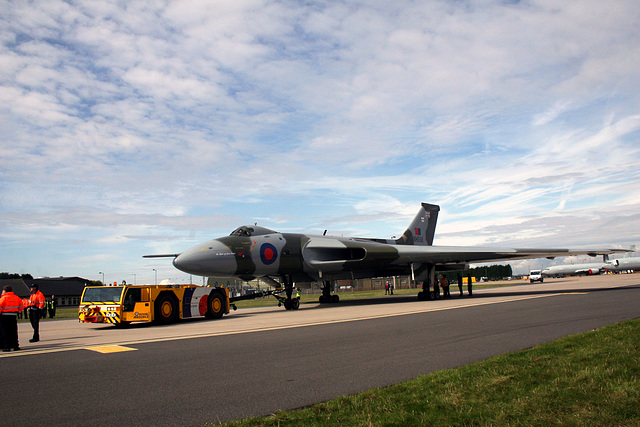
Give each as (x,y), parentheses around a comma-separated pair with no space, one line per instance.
(161,304)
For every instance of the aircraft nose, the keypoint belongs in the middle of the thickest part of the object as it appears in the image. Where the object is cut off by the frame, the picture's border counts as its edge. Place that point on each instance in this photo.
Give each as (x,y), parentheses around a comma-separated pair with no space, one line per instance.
(212,258)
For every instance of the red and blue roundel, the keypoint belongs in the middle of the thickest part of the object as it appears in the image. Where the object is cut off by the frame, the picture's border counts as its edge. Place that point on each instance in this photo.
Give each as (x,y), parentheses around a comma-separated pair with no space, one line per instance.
(268,253)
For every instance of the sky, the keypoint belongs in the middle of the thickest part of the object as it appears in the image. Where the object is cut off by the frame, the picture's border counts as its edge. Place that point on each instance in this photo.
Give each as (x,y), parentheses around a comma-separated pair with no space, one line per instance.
(145,127)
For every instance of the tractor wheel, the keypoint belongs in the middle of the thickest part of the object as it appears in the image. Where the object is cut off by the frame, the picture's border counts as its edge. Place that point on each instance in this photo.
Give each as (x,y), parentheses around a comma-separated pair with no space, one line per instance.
(166,309)
(215,305)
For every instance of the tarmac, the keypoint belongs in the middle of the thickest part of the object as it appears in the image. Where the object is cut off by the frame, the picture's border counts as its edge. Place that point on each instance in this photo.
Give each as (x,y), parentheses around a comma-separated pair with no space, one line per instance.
(259,360)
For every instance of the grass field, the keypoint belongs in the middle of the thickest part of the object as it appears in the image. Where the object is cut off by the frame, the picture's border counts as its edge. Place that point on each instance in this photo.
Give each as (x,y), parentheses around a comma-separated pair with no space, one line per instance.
(61,313)
(349,295)
(591,379)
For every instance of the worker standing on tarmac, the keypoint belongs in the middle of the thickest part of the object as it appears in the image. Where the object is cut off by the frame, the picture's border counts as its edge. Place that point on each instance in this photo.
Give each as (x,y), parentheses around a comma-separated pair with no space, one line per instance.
(445,287)
(10,305)
(36,304)
(51,306)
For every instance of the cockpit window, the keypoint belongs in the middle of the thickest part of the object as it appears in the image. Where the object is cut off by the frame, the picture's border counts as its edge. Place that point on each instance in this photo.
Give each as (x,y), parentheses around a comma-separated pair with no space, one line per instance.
(248,231)
(242,231)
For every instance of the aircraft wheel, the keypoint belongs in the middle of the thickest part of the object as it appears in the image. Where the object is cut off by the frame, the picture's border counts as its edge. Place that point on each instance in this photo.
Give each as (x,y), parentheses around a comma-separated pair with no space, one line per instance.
(295,304)
(166,309)
(421,296)
(287,304)
(215,305)
(335,299)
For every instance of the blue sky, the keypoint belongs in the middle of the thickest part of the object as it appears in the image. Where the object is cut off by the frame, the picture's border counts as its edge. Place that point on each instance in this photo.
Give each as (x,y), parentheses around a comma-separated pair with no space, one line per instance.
(141,127)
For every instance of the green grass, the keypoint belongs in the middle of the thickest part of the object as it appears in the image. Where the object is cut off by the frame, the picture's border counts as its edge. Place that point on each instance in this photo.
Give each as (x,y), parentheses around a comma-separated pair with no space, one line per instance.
(591,379)
(351,295)
(61,313)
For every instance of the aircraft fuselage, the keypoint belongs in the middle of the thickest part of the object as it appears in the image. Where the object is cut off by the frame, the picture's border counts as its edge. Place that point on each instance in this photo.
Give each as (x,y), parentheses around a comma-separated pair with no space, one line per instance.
(303,257)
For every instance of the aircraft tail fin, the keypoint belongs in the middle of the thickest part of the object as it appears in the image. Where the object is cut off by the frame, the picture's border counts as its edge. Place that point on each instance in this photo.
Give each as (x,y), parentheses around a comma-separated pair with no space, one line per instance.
(423,227)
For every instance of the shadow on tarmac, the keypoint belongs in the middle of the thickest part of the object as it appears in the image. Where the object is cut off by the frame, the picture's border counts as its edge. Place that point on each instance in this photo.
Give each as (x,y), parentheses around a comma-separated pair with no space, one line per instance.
(393,299)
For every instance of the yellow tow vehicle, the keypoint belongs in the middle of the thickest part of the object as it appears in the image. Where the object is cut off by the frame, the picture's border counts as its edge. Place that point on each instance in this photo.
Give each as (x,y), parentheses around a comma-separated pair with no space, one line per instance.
(162,304)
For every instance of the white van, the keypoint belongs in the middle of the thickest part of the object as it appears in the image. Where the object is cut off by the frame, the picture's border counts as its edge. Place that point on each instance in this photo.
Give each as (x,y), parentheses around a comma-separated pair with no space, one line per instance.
(535,276)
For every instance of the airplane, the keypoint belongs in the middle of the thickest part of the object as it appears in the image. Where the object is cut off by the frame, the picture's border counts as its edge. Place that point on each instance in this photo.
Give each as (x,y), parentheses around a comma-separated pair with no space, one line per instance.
(623,264)
(252,251)
(571,269)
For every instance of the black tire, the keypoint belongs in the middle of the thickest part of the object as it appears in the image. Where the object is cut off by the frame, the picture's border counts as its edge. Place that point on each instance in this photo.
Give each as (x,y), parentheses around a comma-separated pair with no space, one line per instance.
(295,304)
(216,305)
(166,309)
(335,299)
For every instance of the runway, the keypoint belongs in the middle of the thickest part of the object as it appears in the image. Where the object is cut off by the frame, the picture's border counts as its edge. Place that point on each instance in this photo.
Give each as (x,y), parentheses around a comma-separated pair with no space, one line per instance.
(258,361)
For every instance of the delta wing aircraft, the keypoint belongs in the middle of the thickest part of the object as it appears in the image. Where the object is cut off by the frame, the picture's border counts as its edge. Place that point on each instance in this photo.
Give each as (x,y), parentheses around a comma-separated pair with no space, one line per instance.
(285,258)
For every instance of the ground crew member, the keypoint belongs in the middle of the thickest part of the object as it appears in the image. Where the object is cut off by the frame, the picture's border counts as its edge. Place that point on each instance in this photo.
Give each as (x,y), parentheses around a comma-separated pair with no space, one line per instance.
(51,306)
(445,287)
(10,305)
(36,304)
(298,293)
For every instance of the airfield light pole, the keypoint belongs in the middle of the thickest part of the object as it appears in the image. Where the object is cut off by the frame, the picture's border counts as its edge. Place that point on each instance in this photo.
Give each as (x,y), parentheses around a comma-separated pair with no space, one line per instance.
(156,271)
(102,277)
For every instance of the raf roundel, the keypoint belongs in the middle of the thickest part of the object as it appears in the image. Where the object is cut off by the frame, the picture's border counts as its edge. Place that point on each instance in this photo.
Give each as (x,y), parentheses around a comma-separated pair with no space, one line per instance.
(268,254)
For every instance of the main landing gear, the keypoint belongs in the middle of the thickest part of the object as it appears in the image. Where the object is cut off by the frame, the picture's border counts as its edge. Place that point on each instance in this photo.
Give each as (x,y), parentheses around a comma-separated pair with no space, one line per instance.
(326,296)
(426,293)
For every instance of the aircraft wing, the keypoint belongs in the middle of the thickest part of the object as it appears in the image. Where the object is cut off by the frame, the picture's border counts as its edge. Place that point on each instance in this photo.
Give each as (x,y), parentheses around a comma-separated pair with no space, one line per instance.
(360,255)
(460,254)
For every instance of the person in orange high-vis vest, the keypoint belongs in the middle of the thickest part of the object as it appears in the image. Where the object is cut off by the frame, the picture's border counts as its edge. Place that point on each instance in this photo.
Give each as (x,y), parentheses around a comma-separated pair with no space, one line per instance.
(36,305)
(10,305)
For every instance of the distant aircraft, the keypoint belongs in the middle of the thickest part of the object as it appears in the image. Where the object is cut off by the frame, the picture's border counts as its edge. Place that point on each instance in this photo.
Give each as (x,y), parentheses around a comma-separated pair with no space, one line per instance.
(623,264)
(573,269)
(284,258)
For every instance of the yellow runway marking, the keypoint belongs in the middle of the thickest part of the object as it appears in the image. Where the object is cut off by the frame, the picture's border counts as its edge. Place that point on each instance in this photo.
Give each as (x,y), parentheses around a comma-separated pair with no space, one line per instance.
(110,348)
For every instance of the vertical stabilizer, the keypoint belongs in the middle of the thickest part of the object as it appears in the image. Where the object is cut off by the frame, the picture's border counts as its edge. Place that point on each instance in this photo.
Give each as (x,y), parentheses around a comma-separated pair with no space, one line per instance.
(423,227)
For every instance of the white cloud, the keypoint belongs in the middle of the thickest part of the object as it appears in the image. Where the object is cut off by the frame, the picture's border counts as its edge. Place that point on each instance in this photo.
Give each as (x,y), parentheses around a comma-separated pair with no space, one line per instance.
(185,117)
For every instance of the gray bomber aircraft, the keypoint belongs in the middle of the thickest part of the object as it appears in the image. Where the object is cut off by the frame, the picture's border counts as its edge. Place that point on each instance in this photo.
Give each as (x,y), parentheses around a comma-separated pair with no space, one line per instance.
(252,252)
